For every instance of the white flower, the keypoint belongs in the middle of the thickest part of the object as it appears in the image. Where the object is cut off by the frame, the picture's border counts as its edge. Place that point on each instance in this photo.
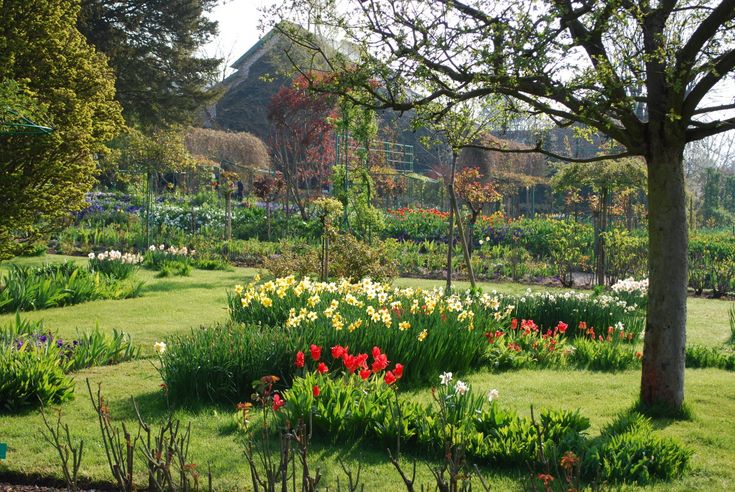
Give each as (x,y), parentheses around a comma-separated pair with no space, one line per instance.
(159,347)
(152,247)
(100,256)
(620,326)
(445,378)
(91,255)
(161,247)
(492,395)
(461,387)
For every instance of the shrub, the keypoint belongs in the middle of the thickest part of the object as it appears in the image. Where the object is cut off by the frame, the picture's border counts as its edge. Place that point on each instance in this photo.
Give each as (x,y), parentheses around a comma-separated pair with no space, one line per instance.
(298,259)
(353,259)
(26,288)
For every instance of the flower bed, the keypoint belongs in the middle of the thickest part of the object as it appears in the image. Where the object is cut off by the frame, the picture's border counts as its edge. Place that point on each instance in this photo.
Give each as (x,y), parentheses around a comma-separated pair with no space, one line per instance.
(59,284)
(424,325)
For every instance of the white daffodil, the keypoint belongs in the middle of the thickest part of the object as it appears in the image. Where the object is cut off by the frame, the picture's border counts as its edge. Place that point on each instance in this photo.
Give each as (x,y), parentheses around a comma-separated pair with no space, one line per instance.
(159,347)
(492,395)
(445,378)
(461,387)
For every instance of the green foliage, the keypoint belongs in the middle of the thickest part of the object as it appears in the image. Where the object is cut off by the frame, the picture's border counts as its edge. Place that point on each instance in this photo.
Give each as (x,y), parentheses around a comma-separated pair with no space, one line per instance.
(34,363)
(568,250)
(604,356)
(349,408)
(611,175)
(26,288)
(115,268)
(219,363)
(155,50)
(436,333)
(45,177)
(350,258)
(712,263)
(99,349)
(580,311)
(626,254)
(701,356)
(629,451)
(32,374)
(731,316)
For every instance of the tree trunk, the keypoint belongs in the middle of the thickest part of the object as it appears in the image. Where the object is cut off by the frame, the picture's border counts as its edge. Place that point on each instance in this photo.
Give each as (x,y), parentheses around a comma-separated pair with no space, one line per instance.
(450,248)
(228,216)
(662,379)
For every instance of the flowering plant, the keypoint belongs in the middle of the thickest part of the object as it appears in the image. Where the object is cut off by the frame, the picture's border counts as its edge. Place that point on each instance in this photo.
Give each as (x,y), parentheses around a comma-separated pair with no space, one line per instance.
(432,330)
(114,264)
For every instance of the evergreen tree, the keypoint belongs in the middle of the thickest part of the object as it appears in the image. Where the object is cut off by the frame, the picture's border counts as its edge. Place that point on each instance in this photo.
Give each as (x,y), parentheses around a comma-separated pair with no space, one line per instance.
(152,46)
(49,72)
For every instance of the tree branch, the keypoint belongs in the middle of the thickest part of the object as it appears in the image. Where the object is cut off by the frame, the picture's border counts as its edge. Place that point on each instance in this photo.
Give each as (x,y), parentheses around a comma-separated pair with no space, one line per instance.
(538,149)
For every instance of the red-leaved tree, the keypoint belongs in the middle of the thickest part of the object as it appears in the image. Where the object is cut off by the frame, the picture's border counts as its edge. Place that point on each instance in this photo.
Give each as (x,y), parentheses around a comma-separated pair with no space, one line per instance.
(302,139)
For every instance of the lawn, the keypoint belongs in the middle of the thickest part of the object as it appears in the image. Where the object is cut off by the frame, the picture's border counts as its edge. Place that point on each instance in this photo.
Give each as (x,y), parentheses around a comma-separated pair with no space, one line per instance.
(180,303)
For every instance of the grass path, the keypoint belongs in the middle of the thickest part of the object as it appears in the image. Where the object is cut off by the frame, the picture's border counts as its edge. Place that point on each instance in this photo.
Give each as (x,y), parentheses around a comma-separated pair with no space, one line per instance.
(174,304)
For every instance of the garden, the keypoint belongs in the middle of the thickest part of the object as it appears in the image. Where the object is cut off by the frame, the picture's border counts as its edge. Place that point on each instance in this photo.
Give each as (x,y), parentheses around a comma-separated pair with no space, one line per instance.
(431,245)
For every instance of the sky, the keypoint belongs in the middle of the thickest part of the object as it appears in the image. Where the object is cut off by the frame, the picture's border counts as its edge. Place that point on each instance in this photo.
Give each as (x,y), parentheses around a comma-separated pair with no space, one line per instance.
(238,27)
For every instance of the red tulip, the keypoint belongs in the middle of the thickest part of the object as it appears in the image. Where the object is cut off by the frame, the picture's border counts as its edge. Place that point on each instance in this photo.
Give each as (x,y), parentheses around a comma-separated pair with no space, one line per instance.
(364,374)
(299,359)
(315,390)
(322,368)
(390,378)
(316,352)
(398,371)
(338,351)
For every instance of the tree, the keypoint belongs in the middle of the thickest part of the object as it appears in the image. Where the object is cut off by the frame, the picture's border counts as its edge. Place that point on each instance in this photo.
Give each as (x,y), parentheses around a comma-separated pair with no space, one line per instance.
(302,139)
(476,193)
(604,178)
(63,82)
(154,156)
(638,72)
(153,47)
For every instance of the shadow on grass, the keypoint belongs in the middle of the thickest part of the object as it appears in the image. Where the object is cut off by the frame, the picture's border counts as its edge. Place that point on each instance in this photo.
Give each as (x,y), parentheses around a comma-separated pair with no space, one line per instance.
(169,286)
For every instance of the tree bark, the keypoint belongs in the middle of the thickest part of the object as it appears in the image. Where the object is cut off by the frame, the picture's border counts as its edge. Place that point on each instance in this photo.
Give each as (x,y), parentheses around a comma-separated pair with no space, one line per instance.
(662,379)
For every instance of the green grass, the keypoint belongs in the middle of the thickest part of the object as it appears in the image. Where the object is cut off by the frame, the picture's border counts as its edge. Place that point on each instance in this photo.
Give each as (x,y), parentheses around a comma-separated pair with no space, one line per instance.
(176,304)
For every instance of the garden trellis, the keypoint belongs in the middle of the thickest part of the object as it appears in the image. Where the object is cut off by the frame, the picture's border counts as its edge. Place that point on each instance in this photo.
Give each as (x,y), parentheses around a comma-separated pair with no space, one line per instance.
(387,159)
